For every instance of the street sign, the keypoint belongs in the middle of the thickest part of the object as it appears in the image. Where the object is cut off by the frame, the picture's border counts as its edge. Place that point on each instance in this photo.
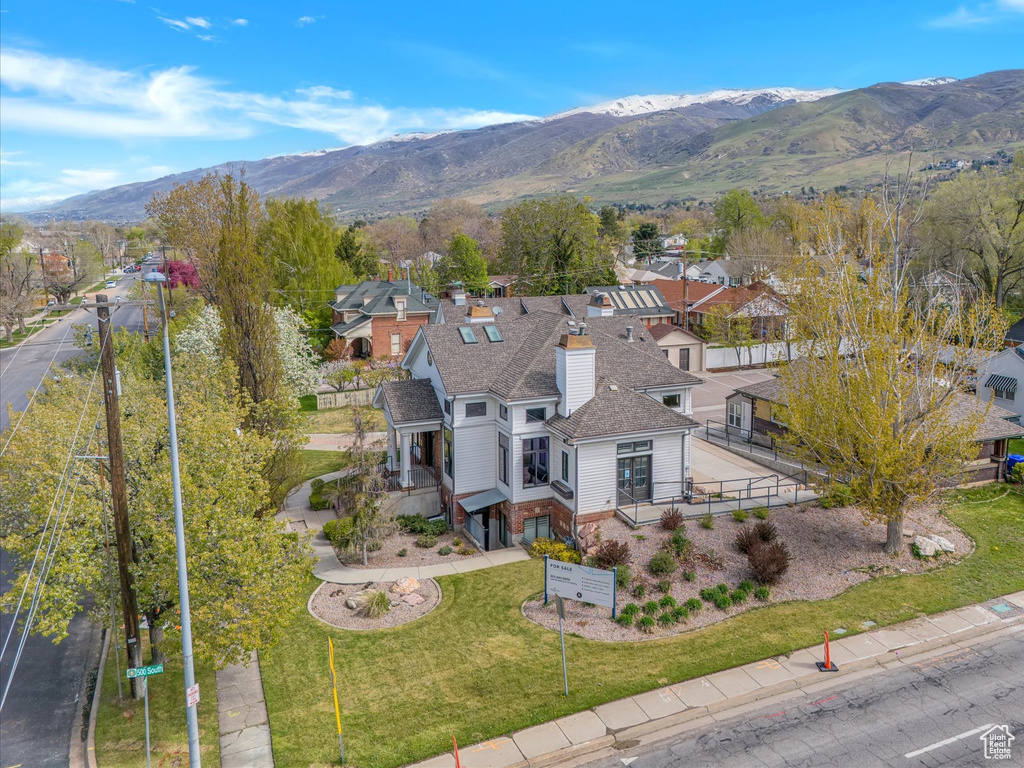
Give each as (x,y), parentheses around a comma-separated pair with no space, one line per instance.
(578,582)
(156,669)
(192,695)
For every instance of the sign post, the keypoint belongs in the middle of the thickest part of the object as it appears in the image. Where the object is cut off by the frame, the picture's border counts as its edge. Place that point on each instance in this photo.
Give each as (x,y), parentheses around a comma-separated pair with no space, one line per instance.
(561,635)
(144,673)
(337,709)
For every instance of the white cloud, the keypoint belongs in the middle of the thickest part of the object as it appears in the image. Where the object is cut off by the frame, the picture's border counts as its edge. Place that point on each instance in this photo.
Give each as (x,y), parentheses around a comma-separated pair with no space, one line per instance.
(240,22)
(92,178)
(304,20)
(9,159)
(156,171)
(175,23)
(965,17)
(74,97)
(198,21)
(207,38)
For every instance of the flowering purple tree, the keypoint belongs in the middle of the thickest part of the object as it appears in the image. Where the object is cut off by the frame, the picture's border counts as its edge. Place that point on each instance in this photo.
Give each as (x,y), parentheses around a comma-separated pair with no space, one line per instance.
(182,273)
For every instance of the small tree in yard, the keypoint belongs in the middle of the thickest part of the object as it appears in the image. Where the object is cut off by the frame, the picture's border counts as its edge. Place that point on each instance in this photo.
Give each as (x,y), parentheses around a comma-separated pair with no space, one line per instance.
(879,395)
(724,327)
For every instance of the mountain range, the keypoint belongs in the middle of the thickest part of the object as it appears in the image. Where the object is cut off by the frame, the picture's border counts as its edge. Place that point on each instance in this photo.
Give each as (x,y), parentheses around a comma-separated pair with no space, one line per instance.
(639,149)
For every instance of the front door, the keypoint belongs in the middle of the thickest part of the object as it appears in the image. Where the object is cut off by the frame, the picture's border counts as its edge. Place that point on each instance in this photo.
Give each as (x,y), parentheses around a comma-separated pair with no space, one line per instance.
(634,479)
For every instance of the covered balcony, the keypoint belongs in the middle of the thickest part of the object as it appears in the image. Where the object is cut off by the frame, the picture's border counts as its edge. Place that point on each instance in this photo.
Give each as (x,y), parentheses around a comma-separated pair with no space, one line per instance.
(414,417)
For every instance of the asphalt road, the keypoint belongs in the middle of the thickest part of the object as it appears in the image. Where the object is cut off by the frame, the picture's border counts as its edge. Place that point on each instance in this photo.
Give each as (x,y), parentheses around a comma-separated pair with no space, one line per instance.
(927,714)
(38,719)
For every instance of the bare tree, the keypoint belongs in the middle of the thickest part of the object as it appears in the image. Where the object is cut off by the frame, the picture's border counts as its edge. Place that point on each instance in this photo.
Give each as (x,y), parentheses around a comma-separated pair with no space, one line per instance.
(17,274)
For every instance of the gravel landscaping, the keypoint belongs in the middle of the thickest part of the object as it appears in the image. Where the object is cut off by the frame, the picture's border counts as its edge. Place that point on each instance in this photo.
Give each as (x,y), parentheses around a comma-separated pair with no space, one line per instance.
(830,550)
(327,603)
(387,556)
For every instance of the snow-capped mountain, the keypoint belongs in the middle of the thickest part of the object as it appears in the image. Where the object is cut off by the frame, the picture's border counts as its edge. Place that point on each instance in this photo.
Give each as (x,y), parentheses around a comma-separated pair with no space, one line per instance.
(930,81)
(629,106)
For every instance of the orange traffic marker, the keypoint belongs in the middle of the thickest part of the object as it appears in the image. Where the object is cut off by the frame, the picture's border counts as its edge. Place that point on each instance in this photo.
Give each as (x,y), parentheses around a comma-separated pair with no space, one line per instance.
(827,665)
(456,745)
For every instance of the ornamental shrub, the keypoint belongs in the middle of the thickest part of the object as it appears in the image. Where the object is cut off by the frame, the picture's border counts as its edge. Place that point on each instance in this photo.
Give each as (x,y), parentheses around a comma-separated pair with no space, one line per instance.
(611,553)
(671,519)
(693,604)
(723,602)
(639,590)
(339,532)
(740,515)
(419,524)
(721,589)
(625,619)
(666,619)
(766,532)
(623,575)
(556,550)
(664,587)
(738,596)
(631,608)
(645,624)
(667,602)
(426,541)
(680,613)
(662,564)
(403,552)
(444,551)
(679,545)
(746,585)
(769,562)
(837,495)
(651,607)
(372,603)
(690,576)
(708,594)
(761,513)
(708,521)
(762,593)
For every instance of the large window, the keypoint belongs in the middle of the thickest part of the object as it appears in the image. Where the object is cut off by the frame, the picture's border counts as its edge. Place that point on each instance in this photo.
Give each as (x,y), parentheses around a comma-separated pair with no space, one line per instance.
(535,461)
(396,344)
(536,414)
(672,401)
(503,458)
(537,527)
(735,415)
(1003,394)
(476,409)
(449,455)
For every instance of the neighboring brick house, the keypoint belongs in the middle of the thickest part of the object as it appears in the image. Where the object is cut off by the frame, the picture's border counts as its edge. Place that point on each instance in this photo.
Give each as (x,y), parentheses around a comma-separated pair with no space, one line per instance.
(379,318)
(766,311)
(540,423)
(750,415)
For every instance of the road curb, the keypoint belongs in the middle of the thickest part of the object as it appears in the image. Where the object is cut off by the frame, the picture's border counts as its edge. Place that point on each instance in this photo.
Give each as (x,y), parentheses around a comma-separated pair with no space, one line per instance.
(97,694)
(728,707)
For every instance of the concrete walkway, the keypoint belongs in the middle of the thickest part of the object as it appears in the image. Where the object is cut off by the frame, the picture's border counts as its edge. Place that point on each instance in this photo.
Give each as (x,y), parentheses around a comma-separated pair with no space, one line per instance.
(343,441)
(646,717)
(299,516)
(242,712)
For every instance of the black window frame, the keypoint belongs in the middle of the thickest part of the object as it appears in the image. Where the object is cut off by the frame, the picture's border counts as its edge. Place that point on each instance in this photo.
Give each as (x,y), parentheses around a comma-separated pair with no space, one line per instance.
(493,334)
(534,419)
(565,466)
(503,412)
(665,400)
(448,407)
(477,405)
(536,457)
(503,455)
(468,335)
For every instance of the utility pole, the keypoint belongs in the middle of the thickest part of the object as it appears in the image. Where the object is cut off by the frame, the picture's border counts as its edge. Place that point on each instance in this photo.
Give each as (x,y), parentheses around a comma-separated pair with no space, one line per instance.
(145,313)
(118,491)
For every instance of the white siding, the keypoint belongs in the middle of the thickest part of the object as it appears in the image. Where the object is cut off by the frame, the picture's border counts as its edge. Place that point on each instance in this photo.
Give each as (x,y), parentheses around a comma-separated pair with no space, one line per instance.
(667,471)
(574,375)
(419,369)
(476,451)
(597,473)
(686,454)
(532,493)
(1006,363)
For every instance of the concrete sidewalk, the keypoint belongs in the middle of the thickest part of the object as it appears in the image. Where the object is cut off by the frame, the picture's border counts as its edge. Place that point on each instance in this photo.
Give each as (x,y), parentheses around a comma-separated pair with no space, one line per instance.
(299,516)
(647,717)
(242,715)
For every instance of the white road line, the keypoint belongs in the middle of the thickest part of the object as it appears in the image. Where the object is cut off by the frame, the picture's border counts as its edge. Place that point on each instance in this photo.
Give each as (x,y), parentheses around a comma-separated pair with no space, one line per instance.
(950,740)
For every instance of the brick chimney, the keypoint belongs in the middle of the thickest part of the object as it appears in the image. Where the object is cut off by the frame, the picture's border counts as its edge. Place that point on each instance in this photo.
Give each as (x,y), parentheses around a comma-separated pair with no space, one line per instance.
(574,371)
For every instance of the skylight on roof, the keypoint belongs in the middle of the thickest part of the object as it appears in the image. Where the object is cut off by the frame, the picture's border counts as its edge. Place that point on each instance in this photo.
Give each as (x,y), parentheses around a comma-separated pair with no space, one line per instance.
(493,334)
(468,337)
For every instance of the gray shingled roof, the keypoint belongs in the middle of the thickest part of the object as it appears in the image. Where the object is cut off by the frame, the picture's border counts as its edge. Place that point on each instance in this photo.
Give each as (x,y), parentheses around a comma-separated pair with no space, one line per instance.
(641,300)
(342,328)
(618,410)
(411,400)
(523,365)
(996,424)
(381,294)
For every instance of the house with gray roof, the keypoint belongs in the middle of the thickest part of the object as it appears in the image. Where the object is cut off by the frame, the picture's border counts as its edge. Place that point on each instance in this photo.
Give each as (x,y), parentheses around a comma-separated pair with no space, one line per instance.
(379,318)
(999,380)
(751,415)
(538,423)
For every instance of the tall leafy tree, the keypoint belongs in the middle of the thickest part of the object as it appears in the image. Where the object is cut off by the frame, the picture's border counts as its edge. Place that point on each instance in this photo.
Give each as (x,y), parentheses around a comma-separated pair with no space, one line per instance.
(301,242)
(552,247)
(646,241)
(463,264)
(355,254)
(245,576)
(737,210)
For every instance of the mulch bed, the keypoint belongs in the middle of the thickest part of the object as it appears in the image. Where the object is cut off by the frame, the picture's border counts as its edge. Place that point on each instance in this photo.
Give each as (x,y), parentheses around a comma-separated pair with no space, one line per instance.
(327,603)
(387,556)
(830,551)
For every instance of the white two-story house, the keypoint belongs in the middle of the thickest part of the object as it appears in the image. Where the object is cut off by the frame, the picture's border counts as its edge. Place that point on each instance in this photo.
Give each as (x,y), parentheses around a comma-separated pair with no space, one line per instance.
(537,425)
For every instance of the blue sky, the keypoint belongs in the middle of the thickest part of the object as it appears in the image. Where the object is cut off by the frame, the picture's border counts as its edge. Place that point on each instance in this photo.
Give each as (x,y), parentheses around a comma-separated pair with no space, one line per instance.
(95,93)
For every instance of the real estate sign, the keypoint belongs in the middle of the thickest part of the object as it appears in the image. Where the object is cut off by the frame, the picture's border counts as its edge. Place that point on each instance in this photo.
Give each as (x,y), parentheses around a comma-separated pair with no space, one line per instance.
(578,582)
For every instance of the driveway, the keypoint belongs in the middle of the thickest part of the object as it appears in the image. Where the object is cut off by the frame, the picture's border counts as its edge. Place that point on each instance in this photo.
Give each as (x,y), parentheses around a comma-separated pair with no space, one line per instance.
(709,397)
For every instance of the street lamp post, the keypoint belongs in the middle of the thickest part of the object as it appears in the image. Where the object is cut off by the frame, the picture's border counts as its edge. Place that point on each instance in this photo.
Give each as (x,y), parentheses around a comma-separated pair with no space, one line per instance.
(179,536)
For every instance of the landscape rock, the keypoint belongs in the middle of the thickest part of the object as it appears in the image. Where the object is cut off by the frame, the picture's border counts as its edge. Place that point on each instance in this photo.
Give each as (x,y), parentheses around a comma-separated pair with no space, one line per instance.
(926,547)
(944,544)
(412,599)
(350,603)
(405,585)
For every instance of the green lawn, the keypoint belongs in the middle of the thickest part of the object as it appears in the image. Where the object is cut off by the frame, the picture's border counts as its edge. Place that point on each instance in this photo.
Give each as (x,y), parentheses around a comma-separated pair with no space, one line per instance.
(340,420)
(476,669)
(1016,445)
(121,740)
(316,463)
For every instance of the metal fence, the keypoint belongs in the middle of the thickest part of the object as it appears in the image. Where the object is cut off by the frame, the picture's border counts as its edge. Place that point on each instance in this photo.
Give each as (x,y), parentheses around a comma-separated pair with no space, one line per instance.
(420,476)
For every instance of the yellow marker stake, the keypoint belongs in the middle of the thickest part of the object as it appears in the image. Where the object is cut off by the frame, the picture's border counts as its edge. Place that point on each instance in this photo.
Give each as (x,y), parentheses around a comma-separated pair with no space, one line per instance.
(337,710)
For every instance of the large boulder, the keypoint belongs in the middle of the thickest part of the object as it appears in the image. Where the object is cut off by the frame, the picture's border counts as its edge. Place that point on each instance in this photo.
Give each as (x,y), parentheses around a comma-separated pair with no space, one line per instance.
(944,544)
(405,585)
(412,599)
(926,547)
